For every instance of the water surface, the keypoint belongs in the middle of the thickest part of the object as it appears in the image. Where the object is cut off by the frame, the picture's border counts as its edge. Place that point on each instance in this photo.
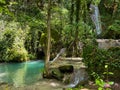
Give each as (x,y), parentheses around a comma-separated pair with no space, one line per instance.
(20,74)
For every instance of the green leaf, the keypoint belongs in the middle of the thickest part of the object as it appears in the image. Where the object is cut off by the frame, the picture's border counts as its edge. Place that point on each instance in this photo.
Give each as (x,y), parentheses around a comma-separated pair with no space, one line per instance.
(111,83)
(1,9)
(106,66)
(110,73)
(99,82)
(13,3)
(105,73)
(100,88)
(2,1)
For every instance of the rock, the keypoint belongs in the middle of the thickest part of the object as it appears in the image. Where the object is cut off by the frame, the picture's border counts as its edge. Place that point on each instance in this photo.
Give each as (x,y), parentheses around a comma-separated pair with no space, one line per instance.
(116,86)
(107,85)
(108,43)
(55,73)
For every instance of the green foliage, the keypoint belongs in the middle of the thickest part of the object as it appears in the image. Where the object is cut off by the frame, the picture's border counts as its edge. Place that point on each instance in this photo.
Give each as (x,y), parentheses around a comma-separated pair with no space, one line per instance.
(115,26)
(4,7)
(96,2)
(96,59)
(109,11)
(2,2)
(17,54)
(27,26)
(31,56)
(101,83)
(113,30)
(85,31)
(12,42)
(107,72)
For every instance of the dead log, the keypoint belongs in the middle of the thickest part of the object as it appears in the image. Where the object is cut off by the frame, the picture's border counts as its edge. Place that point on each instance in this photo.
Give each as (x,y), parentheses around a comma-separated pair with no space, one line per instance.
(58,55)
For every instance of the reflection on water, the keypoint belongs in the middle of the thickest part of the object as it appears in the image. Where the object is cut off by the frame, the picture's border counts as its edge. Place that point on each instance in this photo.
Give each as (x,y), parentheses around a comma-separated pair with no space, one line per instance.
(21,74)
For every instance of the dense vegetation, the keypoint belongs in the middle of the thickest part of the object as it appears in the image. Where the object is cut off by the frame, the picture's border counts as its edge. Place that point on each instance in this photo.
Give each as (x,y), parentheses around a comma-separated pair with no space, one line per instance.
(24,27)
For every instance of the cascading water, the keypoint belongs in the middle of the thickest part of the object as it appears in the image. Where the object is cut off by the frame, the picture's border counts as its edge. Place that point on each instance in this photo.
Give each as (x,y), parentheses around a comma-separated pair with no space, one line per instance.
(79,76)
(75,80)
(95,16)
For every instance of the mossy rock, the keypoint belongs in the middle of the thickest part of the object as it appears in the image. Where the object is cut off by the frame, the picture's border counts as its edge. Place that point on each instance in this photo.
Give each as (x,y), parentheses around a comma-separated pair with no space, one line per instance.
(55,73)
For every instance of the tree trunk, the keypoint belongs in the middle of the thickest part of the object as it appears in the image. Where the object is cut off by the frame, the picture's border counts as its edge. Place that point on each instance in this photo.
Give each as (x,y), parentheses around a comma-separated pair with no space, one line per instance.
(72,15)
(72,12)
(77,21)
(47,57)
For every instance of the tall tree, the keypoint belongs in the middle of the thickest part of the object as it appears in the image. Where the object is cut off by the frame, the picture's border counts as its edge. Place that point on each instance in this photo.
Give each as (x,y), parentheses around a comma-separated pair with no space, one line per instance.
(47,57)
(77,21)
(72,12)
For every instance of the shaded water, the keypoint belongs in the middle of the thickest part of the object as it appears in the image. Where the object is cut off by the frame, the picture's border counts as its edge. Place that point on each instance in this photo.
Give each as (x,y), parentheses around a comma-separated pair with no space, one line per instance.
(20,74)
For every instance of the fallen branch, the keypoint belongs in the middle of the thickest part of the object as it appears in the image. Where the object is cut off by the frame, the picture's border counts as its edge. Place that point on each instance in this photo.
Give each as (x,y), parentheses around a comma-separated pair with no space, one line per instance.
(58,55)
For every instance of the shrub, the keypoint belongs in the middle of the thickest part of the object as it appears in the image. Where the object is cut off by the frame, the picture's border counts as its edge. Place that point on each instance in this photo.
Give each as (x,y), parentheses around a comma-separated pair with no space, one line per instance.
(12,42)
(96,59)
(17,54)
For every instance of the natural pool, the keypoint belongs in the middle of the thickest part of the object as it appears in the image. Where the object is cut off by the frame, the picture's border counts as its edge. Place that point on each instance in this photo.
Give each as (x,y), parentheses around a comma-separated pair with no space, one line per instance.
(20,74)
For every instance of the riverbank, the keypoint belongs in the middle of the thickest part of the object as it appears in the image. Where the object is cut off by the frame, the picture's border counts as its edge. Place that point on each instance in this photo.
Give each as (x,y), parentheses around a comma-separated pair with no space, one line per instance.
(52,84)
(45,84)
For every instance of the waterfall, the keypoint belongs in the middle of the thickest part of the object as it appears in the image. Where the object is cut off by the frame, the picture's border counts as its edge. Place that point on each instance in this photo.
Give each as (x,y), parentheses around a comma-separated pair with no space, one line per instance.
(75,80)
(79,76)
(95,16)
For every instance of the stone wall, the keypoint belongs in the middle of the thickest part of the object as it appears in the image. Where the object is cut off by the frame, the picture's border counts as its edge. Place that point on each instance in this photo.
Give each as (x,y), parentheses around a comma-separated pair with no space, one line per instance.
(108,43)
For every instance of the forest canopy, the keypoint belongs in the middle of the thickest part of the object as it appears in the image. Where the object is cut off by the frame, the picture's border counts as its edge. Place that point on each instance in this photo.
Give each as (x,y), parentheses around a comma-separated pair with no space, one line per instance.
(23,26)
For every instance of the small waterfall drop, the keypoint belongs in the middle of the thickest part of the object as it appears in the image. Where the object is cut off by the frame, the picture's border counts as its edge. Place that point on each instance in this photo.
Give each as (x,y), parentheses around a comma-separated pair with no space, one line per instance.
(95,16)
(75,80)
(79,76)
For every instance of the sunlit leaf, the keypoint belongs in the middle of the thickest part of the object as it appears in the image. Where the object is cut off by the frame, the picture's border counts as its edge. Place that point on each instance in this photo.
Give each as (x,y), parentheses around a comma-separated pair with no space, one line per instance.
(111,83)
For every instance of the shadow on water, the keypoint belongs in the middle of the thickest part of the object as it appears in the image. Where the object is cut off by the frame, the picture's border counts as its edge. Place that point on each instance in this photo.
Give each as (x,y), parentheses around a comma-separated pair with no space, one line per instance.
(20,74)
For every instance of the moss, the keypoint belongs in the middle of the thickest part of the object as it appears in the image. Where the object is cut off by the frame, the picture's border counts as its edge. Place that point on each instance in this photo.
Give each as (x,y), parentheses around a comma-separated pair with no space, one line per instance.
(54,73)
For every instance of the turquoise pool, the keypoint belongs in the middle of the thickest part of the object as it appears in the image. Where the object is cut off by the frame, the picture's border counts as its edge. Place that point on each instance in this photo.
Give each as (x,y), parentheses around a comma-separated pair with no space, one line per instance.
(20,74)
